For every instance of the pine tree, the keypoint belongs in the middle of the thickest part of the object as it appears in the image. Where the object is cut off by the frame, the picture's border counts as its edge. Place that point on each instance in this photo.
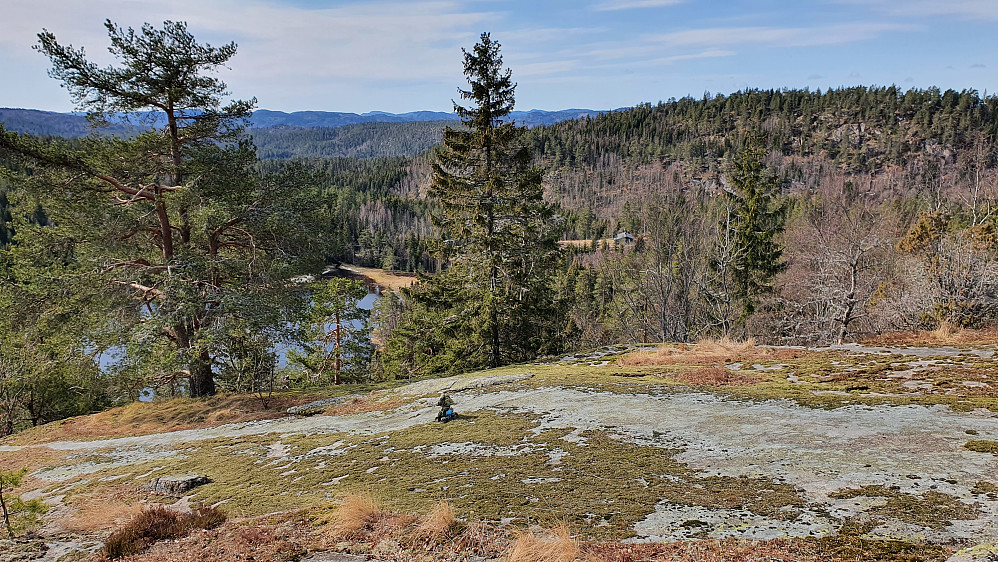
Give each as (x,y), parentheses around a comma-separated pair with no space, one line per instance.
(175,219)
(6,220)
(338,338)
(757,217)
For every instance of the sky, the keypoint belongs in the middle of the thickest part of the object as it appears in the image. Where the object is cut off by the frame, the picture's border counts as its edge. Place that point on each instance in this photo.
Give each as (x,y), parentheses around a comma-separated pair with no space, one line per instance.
(401,56)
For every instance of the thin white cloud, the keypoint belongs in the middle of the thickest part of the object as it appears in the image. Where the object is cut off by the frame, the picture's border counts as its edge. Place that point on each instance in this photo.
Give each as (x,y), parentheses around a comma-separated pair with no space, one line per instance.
(783,36)
(367,41)
(961,9)
(633,63)
(531,36)
(544,68)
(616,5)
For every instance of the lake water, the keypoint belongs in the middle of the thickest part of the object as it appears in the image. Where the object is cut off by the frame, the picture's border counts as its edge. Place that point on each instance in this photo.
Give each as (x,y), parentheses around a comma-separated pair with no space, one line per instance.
(114,354)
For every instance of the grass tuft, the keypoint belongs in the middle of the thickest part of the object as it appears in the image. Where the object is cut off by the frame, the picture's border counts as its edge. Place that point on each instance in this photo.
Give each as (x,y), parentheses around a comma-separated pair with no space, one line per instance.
(356,512)
(438,523)
(716,376)
(706,352)
(554,545)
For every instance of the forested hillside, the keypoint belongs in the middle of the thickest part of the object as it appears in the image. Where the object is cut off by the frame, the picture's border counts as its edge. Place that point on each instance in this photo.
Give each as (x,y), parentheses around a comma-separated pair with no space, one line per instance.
(368,223)
(885,139)
(365,140)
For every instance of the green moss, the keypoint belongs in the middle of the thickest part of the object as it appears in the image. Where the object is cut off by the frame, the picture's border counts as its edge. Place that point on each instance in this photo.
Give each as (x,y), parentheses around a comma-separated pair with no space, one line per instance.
(825,380)
(933,509)
(497,467)
(982,488)
(858,548)
(982,446)
(488,466)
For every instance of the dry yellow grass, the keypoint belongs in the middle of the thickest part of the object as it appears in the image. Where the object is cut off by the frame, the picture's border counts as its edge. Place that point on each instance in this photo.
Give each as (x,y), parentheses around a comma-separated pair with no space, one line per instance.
(383,278)
(356,512)
(362,405)
(716,376)
(707,352)
(554,545)
(140,418)
(437,524)
(945,334)
(102,509)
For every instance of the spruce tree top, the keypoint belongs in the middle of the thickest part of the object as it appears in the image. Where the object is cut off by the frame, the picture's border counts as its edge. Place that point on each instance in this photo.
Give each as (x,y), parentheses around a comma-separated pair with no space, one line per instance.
(492,87)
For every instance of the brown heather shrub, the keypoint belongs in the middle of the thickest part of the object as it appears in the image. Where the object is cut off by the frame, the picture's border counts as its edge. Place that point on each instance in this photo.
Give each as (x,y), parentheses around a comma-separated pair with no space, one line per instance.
(356,512)
(716,376)
(155,524)
(203,517)
(555,545)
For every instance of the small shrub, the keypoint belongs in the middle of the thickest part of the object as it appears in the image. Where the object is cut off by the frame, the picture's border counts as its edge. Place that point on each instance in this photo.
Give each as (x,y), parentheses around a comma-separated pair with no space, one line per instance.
(203,517)
(17,513)
(158,523)
(556,545)
(153,524)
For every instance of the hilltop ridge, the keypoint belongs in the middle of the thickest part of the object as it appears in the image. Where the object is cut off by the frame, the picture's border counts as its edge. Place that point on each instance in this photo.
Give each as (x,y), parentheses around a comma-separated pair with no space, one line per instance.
(719,447)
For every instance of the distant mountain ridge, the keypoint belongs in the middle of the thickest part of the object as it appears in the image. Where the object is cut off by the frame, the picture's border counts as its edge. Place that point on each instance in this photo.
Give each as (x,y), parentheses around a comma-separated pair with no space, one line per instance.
(38,122)
(50,123)
(263,118)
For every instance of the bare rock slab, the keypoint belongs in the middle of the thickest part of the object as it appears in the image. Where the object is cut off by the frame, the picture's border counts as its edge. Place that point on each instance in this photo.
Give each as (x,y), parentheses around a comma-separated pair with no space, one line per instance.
(177,485)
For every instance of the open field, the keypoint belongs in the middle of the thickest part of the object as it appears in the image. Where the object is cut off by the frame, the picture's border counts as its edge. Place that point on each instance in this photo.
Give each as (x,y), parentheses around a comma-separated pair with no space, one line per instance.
(715,451)
(391,280)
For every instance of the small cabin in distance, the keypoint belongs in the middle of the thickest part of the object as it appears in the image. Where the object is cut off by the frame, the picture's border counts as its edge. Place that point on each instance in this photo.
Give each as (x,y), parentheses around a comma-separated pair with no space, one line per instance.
(623,239)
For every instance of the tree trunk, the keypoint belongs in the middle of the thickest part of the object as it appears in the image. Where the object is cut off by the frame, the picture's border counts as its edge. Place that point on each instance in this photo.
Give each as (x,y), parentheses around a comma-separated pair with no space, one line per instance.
(338,364)
(202,380)
(6,516)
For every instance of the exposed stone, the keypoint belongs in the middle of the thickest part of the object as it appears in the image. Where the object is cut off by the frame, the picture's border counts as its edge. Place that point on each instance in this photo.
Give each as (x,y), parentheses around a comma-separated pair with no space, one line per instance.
(319,406)
(21,549)
(177,485)
(385,548)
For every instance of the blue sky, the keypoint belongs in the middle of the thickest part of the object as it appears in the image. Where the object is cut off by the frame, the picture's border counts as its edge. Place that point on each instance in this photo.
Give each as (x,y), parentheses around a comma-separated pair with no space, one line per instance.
(406,55)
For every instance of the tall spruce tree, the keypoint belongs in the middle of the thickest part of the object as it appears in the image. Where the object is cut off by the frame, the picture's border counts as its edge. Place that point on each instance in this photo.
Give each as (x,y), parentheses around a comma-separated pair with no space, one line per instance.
(757,217)
(494,297)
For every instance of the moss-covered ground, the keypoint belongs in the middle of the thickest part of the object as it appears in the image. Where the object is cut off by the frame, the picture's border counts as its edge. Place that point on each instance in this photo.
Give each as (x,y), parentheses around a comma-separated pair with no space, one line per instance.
(509,466)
